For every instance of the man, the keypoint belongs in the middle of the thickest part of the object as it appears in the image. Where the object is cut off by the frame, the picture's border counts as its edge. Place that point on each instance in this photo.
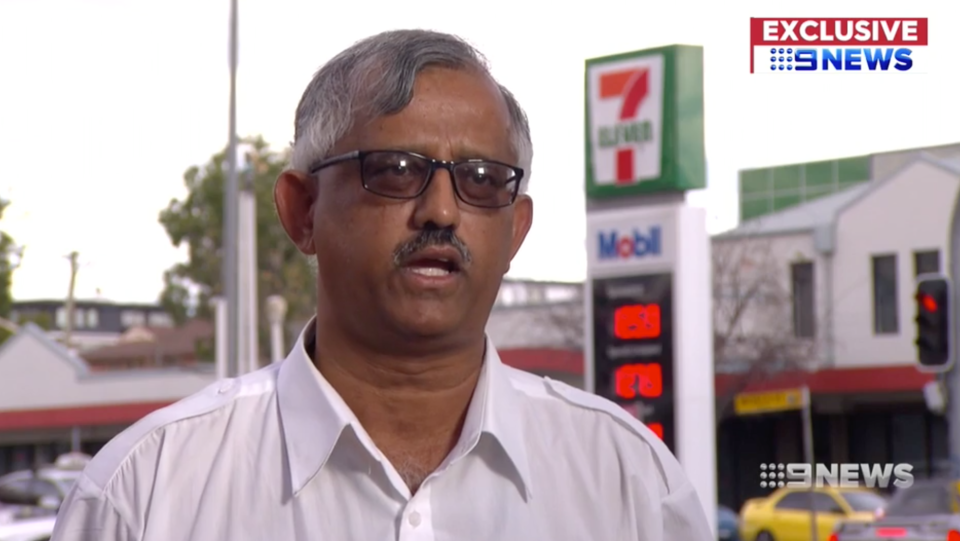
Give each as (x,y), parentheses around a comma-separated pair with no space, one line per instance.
(393,417)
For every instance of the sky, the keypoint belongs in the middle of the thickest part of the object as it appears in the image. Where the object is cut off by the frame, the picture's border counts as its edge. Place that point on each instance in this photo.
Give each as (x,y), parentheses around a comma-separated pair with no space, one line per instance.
(104,104)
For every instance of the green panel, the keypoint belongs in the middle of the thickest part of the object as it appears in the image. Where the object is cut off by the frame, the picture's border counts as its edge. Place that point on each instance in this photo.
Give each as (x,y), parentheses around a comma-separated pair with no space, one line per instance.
(819,174)
(785,201)
(682,160)
(755,181)
(854,169)
(753,208)
(814,192)
(786,177)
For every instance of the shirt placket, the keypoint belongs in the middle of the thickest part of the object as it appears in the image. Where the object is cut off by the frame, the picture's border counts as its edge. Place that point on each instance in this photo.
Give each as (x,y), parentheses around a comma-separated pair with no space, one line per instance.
(417,523)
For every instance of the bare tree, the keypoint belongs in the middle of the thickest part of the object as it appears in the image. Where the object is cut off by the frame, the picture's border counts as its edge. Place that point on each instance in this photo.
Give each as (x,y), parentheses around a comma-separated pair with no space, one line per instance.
(753,316)
(567,318)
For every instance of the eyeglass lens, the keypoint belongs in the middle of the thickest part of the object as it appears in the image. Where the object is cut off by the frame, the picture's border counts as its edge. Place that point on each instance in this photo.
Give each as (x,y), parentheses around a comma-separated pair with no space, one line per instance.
(402,176)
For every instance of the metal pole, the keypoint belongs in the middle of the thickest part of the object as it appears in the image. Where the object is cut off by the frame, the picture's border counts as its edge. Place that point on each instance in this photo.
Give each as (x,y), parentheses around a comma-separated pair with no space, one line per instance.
(75,440)
(71,302)
(220,338)
(276,342)
(808,458)
(276,308)
(230,259)
(952,377)
(247,271)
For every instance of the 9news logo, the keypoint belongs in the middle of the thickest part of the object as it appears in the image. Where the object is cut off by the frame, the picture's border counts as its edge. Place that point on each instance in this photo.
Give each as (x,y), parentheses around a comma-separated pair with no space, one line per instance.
(840,59)
(836,45)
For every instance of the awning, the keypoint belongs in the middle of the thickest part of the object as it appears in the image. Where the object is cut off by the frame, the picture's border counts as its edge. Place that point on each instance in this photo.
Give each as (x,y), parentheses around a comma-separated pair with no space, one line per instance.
(105,415)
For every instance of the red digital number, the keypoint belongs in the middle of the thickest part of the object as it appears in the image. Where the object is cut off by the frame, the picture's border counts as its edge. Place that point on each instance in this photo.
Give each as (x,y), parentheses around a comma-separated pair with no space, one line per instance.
(657,429)
(638,380)
(637,322)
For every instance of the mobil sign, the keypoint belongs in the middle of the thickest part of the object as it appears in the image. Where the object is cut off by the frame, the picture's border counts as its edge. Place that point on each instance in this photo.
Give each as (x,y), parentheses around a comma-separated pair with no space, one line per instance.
(634,239)
(632,243)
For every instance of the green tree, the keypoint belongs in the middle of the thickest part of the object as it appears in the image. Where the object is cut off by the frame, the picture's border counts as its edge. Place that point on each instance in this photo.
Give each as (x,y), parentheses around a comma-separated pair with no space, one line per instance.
(196,221)
(10,255)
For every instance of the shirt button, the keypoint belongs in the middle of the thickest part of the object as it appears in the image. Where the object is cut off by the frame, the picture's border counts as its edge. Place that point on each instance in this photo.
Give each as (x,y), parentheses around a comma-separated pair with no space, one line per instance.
(225,387)
(414,519)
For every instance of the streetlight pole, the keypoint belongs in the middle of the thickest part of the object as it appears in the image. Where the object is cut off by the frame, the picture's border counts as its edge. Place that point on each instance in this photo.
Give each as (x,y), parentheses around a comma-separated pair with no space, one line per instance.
(276,312)
(249,333)
(230,244)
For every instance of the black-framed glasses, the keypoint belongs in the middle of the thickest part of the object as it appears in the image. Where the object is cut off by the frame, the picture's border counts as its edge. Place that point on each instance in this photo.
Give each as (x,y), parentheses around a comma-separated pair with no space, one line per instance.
(399,174)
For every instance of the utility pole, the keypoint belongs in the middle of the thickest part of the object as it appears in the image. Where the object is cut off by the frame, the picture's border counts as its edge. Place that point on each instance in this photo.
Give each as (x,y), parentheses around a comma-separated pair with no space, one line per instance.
(953,375)
(230,207)
(249,328)
(71,308)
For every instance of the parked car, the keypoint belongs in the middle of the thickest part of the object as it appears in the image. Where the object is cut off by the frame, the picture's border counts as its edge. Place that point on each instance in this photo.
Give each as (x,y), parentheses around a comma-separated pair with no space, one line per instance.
(728,524)
(928,510)
(785,514)
(30,499)
(46,486)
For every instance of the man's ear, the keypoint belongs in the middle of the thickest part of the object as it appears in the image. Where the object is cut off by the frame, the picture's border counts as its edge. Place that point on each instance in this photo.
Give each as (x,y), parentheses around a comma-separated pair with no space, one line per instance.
(295,194)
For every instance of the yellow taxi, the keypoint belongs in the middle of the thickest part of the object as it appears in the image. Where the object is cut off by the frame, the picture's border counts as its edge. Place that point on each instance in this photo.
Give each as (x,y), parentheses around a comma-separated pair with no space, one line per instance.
(784,515)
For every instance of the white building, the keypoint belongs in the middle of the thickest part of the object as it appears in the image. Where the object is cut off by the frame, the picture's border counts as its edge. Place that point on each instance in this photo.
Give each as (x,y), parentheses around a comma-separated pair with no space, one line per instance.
(846,263)
(820,294)
(51,400)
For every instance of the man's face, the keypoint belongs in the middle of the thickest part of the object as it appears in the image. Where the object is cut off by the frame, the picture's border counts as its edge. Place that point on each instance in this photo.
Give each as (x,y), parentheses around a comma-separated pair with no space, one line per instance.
(374,279)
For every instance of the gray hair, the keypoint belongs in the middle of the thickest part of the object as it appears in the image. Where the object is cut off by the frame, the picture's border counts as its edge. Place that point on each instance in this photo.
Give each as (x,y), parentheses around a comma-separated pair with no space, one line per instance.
(375,77)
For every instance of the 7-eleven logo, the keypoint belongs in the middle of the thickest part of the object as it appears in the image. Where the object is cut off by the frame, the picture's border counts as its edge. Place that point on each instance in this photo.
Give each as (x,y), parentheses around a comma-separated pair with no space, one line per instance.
(631,87)
(625,110)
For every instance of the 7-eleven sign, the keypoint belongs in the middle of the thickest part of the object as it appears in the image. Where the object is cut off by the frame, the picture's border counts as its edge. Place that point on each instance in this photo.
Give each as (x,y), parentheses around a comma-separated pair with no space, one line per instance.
(625,109)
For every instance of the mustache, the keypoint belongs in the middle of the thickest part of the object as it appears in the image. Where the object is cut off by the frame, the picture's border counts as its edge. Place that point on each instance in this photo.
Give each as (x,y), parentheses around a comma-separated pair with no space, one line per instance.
(431,237)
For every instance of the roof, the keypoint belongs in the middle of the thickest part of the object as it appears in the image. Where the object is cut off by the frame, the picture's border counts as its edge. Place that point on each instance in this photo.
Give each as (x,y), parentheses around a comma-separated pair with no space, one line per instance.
(166,341)
(31,331)
(823,211)
(952,163)
(36,303)
(804,217)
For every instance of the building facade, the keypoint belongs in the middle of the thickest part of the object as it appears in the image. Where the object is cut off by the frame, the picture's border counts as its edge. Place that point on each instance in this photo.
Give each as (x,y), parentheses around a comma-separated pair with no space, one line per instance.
(834,281)
(52,401)
(95,323)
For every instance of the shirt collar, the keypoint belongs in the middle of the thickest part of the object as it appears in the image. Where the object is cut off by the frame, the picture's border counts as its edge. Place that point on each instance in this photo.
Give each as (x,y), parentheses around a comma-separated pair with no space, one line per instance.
(313,415)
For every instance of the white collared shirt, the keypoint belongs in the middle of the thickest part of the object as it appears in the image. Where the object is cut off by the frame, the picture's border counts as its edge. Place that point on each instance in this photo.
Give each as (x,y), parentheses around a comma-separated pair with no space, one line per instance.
(277,455)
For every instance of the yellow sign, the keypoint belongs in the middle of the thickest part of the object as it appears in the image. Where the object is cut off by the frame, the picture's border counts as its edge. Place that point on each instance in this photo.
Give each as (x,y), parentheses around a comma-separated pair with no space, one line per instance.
(768,402)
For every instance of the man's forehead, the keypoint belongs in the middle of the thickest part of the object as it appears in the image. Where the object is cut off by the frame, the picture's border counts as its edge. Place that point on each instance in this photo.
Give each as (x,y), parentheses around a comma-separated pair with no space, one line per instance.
(449,108)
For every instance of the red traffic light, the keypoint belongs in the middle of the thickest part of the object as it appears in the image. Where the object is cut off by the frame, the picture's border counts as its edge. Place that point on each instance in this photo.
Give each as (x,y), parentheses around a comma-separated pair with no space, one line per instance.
(927,302)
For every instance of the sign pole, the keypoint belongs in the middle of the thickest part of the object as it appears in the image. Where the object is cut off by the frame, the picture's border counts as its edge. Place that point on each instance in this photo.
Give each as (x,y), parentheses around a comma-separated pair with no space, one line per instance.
(953,375)
(808,458)
(230,220)
(648,252)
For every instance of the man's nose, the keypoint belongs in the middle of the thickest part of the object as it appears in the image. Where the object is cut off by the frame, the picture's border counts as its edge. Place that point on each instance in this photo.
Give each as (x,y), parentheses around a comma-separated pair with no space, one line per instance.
(438,204)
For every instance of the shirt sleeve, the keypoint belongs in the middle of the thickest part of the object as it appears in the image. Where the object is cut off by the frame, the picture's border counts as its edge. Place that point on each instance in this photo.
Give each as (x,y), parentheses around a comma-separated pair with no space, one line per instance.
(89,517)
(683,516)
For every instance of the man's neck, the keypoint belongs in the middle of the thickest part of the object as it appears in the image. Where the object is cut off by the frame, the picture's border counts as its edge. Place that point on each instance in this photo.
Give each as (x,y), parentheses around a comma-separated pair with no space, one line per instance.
(398,399)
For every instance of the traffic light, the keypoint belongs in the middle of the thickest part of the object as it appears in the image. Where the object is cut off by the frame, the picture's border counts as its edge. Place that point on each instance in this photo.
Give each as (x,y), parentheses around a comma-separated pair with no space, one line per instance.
(933,324)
